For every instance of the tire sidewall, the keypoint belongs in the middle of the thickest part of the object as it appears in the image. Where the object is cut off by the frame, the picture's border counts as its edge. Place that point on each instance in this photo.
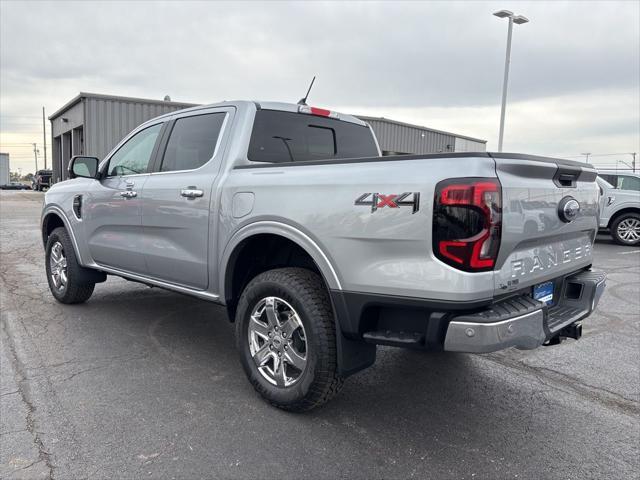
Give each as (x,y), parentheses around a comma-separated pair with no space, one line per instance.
(61,236)
(614,229)
(257,290)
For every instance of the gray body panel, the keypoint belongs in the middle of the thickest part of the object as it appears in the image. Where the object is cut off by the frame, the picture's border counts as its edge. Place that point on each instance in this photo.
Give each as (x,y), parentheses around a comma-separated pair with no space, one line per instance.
(614,200)
(186,244)
(532,248)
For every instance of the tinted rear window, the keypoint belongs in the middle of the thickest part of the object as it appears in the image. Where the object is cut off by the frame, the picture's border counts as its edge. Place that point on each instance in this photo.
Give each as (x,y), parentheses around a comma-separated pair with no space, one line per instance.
(192,142)
(296,137)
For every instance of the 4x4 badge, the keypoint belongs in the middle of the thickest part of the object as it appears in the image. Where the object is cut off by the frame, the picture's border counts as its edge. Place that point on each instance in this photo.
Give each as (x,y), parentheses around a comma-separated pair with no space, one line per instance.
(392,200)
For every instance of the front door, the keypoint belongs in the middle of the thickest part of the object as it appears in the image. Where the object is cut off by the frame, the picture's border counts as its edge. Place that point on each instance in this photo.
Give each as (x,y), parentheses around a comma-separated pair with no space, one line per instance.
(112,217)
(179,196)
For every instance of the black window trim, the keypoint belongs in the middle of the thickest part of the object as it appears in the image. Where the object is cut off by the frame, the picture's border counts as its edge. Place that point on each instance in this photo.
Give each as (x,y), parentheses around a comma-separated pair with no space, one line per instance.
(162,148)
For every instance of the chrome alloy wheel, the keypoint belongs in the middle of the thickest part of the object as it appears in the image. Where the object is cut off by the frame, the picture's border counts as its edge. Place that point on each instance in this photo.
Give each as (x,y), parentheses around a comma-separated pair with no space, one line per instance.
(58,266)
(277,342)
(629,230)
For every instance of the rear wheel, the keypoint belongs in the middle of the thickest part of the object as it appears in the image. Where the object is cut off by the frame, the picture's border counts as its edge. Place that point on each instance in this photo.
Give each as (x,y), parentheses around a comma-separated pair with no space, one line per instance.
(285,332)
(625,229)
(64,271)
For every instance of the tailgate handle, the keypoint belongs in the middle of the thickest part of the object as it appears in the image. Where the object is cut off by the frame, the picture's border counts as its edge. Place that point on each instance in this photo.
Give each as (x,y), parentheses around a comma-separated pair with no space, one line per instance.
(566,176)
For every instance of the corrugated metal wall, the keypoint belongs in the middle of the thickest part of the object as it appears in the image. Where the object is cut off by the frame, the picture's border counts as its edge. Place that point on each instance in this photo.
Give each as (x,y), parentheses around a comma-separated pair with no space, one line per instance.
(467,145)
(407,139)
(107,121)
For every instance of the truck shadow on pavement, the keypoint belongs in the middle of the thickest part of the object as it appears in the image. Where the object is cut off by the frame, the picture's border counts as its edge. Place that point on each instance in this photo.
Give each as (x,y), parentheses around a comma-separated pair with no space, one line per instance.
(408,408)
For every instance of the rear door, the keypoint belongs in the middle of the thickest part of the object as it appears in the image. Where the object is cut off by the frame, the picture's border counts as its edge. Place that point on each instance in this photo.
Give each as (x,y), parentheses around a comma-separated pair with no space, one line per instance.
(111,214)
(179,198)
(555,245)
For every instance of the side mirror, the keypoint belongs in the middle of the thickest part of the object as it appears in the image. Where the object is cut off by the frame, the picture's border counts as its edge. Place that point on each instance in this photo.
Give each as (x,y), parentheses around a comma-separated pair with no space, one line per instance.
(85,167)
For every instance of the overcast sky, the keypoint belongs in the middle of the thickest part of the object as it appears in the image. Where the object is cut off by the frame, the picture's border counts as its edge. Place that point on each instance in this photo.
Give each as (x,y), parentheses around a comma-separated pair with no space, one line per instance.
(574,85)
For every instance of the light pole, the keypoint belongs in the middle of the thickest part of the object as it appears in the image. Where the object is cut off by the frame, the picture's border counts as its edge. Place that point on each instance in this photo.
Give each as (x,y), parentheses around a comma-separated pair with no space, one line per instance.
(586,156)
(518,19)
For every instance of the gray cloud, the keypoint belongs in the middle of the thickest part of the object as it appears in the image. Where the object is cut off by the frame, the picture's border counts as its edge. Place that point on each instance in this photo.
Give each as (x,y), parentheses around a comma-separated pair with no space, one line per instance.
(366,55)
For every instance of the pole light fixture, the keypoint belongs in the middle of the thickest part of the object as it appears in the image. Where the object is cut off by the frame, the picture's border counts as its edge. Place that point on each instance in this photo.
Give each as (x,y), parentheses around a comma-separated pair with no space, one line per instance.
(519,20)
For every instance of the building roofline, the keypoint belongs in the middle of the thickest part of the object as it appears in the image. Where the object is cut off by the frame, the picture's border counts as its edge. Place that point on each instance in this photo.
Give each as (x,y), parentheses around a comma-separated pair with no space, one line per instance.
(419,127)
(78,98)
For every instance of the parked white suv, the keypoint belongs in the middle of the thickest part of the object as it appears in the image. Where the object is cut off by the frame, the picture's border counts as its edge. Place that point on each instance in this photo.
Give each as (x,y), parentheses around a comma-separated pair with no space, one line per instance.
(620,212)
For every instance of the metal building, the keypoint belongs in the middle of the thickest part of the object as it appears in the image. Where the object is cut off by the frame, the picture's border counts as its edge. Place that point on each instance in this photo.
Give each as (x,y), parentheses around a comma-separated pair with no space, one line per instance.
(5,177)
(401,138)
(93,124)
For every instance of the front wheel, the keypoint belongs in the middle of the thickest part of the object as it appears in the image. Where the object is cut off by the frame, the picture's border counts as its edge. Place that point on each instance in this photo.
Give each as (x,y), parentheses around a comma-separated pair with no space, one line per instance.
(64,271)
(625,229)
(285,332)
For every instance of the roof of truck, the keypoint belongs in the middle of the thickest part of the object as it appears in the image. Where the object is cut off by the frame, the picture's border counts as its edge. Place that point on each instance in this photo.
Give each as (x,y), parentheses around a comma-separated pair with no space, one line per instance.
(270,105)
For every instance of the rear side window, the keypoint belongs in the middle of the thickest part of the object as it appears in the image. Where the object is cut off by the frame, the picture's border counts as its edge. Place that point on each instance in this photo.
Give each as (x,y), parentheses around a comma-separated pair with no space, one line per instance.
(627,182)
(192,142)
(296,137)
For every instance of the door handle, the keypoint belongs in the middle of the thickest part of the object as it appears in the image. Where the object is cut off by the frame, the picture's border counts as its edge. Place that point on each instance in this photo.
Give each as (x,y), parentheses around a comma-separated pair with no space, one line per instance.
(191,192)
(128,194)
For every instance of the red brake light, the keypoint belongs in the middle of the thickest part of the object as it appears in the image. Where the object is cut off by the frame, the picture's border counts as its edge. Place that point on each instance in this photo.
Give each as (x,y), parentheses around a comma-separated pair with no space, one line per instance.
(321,112)
(467,222)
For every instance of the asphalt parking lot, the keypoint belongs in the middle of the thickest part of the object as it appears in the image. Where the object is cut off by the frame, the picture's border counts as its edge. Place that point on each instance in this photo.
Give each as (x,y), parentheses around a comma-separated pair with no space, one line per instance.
(140,382)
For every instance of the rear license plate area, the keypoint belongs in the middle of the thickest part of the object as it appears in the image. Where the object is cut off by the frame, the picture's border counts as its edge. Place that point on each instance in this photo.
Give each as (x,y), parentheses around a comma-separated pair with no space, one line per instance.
(543,292)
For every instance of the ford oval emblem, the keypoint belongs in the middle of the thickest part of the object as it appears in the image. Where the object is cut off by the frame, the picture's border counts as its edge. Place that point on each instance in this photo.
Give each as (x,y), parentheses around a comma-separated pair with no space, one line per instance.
(568,209)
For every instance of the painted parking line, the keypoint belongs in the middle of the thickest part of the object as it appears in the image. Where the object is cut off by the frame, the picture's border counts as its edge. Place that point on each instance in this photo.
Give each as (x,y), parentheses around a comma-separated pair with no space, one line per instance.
(627,253)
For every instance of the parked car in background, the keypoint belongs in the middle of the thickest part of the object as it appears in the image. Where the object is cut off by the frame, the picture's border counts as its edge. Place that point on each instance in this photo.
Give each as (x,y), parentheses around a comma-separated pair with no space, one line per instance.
(620,213)
(15,186)
(41,180)
(621,179)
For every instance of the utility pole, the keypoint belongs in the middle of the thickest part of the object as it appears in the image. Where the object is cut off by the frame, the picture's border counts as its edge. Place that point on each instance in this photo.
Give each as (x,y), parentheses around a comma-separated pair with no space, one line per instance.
(586,156)
(44,139)
(633,163)
(35,154)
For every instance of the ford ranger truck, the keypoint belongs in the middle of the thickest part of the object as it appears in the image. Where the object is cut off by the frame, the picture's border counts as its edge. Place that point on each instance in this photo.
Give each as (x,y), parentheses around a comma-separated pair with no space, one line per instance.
(321,249)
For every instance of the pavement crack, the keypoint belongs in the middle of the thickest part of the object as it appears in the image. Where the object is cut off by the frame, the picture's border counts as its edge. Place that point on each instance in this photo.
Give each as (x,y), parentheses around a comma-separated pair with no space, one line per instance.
(23,388)
(9,393)
(563,382)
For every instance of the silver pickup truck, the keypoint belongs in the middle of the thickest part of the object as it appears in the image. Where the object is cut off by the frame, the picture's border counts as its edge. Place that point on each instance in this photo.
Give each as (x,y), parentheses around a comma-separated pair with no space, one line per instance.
(321,249)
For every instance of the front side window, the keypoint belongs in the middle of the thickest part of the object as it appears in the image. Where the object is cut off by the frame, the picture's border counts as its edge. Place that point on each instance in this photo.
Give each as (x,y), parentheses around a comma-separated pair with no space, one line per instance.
(611,179)
(192,142)
(133,157)
(296,137)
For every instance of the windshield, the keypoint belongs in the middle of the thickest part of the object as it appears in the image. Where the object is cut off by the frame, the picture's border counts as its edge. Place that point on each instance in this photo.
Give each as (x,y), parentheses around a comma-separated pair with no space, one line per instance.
(296,137)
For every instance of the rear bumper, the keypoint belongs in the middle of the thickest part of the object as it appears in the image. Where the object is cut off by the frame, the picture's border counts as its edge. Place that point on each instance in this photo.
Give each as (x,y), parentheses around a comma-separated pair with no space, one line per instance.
(525,323)
(364,321)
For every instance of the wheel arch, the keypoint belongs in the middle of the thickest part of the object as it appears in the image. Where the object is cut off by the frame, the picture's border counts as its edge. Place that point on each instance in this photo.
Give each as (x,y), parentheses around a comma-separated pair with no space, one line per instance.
(52,218)
(269,245)
(620,212)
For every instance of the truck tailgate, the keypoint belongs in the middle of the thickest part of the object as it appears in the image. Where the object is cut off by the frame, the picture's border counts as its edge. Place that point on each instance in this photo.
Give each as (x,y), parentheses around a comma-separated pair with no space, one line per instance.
(538,243)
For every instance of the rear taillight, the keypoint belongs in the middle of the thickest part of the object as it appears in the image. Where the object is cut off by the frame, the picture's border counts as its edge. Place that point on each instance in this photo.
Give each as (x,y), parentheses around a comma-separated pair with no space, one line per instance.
(467,219)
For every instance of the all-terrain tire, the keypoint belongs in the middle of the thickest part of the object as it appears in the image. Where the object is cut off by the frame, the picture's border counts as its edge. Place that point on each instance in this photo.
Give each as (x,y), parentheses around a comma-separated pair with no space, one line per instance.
(307,294)
(74,290)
